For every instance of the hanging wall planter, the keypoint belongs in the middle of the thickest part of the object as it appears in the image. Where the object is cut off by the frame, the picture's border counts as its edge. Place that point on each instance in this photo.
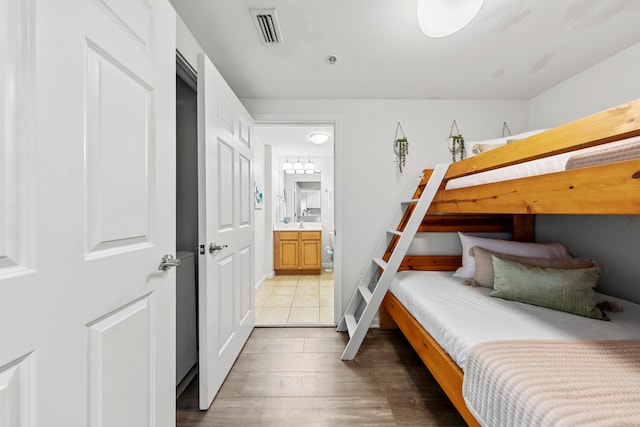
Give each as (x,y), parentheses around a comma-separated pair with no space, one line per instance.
(456,143)
(400,147)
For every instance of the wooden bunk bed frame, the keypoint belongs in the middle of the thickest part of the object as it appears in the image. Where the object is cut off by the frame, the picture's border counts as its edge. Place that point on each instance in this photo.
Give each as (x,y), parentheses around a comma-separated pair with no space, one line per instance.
(609,189)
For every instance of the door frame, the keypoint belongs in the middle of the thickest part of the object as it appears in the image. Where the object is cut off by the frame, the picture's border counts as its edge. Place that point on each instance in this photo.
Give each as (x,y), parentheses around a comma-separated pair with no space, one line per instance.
(186,71)
(336,121)
(189,75)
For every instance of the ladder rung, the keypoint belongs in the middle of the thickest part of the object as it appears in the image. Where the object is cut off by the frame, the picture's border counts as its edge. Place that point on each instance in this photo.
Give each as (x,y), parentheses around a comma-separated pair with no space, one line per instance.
(382,263)
(365,292)
(350,320)
(410,201)
(396,232)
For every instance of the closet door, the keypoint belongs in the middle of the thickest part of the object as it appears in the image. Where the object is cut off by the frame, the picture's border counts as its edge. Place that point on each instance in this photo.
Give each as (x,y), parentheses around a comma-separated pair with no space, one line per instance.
(87,211)
(226,226)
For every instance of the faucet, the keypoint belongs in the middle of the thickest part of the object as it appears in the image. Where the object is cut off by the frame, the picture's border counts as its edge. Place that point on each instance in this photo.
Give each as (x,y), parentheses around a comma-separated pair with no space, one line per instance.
(301,225)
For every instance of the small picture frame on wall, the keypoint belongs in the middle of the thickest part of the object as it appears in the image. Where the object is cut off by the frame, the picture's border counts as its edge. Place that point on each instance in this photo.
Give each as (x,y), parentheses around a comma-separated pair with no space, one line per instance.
(258,196)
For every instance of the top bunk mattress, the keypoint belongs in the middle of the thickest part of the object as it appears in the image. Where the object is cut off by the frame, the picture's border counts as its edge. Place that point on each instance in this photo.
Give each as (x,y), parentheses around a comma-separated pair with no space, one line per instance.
(459,317)
(616,151)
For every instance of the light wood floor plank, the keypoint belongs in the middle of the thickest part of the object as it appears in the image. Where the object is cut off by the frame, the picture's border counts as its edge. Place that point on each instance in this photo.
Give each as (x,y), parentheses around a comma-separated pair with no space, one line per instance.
(294,377)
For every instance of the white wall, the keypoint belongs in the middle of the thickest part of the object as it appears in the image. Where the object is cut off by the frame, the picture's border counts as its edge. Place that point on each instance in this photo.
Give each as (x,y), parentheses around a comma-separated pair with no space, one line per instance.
(186,43)
(614,241)
(368,186)
(612,82)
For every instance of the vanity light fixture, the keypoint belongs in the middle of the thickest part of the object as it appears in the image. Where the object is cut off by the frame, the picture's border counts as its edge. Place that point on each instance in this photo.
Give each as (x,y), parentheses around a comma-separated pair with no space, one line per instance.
(441,18)
(309,165)
(287,165)
(299,168)
(318,137)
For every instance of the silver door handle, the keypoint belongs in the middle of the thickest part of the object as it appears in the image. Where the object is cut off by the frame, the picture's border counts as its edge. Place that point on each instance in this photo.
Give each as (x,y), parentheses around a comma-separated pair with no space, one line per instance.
(213,247)
(167,262)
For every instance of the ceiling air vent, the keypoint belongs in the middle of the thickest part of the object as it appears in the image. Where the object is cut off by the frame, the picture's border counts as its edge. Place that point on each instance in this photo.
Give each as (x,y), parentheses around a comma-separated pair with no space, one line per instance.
(266,22)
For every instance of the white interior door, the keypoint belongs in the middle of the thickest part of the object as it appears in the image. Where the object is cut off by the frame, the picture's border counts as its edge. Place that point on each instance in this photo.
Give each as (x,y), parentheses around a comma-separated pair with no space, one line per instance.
(226,275)
(87,207)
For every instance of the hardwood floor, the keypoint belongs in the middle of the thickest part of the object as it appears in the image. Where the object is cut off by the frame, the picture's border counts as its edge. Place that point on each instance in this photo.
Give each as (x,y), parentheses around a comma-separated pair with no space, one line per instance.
(294,377)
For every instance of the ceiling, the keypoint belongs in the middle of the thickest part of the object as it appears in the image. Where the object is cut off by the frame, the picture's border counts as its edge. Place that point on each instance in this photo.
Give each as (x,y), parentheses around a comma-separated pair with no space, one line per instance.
(291,139)
(513,49)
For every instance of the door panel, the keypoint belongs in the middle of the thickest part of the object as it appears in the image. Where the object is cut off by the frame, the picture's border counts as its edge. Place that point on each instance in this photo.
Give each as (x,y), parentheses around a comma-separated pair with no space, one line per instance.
(246,191)
(226,275)
(227,302)
(16,138)
(135,17)
(17,397)
(111,404)
(225,185)
(120,167)
(246,266)
(87,210)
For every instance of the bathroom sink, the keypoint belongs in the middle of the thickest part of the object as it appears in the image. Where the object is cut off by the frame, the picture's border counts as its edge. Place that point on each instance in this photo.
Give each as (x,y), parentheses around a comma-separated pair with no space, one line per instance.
(296,226)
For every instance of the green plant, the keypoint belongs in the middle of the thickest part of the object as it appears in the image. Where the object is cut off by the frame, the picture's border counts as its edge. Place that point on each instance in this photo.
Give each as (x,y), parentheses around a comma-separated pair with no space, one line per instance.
(401,148)
(457,146)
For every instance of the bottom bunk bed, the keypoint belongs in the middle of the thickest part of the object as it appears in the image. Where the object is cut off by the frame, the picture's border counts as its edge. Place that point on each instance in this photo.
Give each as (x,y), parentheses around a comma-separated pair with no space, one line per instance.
(490,355)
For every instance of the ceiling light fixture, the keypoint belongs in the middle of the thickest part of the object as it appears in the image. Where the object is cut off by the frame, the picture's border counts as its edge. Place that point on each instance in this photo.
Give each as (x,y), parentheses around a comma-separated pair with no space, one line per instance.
(318,137)
(441,18)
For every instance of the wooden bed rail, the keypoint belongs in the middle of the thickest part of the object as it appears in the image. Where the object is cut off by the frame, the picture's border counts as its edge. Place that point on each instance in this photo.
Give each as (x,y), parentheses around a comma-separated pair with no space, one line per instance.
(610,189)
(609,125)
(393,315)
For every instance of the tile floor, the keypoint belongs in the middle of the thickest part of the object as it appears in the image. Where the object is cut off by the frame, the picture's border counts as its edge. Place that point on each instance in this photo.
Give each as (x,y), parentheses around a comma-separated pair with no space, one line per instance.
(295,300)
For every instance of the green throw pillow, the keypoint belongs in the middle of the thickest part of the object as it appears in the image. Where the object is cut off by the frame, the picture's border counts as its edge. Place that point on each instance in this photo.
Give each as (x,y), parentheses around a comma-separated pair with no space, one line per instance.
(559,289)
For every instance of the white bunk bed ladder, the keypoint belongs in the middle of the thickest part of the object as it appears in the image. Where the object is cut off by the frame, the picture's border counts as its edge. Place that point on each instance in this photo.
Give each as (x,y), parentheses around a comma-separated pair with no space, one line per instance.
(373,286)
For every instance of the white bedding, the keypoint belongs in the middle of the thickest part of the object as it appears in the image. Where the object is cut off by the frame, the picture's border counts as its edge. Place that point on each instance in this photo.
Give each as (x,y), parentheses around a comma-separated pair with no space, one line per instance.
(459,317)
(543,166)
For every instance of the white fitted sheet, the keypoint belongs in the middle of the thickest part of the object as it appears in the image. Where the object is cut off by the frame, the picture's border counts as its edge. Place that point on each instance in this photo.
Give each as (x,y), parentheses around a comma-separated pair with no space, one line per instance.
(459,317)
(542,166)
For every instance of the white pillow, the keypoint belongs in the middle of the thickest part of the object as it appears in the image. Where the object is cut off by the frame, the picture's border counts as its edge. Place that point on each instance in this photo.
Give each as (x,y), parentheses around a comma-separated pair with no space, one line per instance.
(492,143)
(508,247)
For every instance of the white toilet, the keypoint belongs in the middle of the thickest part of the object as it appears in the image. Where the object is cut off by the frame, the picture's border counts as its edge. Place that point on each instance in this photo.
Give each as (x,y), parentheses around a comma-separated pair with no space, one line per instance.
(329,250)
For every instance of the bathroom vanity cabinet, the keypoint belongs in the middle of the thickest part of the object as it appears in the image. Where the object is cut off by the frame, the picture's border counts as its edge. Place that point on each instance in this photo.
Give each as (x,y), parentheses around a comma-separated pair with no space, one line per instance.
(297,252)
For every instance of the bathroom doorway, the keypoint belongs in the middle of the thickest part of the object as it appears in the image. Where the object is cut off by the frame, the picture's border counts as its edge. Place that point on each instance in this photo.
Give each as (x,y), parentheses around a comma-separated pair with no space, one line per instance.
(300,163)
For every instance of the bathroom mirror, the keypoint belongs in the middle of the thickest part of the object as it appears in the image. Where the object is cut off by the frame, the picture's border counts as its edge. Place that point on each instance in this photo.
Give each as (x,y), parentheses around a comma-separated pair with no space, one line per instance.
(307,201)
(302,199)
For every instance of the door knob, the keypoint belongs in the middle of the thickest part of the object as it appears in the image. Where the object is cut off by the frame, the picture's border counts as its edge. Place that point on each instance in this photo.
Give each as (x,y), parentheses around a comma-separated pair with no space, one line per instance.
(213,247)
(167,262)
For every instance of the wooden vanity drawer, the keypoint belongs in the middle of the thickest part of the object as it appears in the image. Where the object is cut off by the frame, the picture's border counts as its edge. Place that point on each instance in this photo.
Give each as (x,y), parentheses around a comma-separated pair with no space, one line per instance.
(288,235)
(310,235)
